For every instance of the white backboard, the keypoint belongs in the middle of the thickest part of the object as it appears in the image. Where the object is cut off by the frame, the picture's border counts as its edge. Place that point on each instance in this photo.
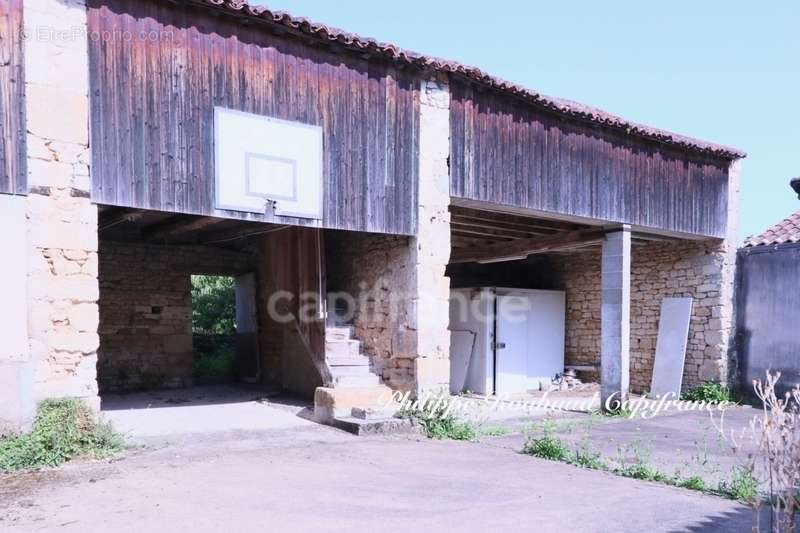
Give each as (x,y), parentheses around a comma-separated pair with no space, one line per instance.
(260,160)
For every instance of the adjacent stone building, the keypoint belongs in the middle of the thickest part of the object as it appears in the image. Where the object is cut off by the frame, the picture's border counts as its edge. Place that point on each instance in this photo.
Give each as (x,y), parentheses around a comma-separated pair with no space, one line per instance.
(426,175)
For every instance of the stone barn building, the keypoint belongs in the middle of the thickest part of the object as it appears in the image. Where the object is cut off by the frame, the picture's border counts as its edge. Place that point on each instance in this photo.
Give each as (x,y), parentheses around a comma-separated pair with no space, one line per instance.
(145,141)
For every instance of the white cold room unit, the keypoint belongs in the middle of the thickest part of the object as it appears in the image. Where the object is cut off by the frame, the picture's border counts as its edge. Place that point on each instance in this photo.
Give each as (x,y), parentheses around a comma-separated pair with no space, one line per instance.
(505,341)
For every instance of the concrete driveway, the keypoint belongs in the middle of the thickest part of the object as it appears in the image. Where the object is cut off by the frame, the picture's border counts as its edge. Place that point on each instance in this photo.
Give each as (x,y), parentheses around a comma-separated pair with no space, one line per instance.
(314,478)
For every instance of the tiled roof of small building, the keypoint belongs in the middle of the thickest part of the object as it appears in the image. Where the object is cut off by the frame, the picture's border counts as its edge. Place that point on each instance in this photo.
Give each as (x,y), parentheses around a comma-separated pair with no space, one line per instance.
(787,230)
(557,105)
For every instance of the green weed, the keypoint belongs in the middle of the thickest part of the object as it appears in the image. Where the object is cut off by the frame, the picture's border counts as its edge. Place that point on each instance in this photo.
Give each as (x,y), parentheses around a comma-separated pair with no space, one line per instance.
(546,447)
(709,391)
(439,423)
(63,429)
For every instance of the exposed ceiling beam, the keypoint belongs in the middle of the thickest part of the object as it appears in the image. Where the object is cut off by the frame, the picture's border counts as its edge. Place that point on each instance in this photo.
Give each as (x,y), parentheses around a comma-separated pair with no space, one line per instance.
(177,226)
(114,216)
(524,247)
(522,222)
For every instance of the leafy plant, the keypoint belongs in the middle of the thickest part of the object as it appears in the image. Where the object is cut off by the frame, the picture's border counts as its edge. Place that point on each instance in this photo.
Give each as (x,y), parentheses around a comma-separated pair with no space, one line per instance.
(221,365)
(63,429)
(439,423)
(547,446)
(213,305)
(585,457)
(742,486)
(694,483)
(709,391)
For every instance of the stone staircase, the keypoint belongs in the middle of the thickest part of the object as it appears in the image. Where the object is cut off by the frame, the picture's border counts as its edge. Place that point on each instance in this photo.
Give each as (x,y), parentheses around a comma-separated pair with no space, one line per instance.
(356,400)
(349,367)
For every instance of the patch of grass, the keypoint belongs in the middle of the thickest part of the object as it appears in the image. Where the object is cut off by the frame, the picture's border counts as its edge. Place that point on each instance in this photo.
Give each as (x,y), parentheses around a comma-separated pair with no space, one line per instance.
(709,391)
(219,366)
(63,429)
(643,471)
(742,486)
(497,431)
(587,458)
(439,423)
(693,483)
(547,446)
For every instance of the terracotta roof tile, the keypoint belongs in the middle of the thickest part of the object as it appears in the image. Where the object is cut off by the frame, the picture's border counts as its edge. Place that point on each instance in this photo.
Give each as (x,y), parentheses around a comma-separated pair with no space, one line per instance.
(560,106)
(787,230)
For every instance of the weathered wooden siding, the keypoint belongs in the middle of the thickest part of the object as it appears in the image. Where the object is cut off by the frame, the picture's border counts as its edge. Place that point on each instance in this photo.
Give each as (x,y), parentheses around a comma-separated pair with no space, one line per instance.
(12,100)
(767,299)
(292,336)
(152,104)
(506,152)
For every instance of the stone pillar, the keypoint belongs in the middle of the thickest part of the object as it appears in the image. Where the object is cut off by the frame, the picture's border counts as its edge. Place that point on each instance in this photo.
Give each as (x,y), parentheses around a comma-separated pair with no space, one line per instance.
(429,314)
(615,316)
(719,271)
(62,221)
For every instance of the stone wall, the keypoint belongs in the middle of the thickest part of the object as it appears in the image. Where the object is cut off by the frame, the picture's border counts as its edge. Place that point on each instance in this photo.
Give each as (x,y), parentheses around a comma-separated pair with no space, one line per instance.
(62,222)
(658,270)
(374,271)
(146,311)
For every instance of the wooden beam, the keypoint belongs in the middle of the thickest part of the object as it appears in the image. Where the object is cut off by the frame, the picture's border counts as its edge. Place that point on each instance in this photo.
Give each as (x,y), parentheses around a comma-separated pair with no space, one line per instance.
(525,247)
(115,216)
(174,227)
(510,219)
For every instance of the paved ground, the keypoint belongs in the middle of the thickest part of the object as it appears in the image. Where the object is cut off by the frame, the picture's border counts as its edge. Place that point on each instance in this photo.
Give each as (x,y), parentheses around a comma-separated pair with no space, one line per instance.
(171,416)
(311,478)
(686,444)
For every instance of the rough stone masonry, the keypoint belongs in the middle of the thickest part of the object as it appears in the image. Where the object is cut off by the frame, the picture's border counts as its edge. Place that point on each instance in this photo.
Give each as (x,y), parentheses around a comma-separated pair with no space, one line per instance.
(62,222)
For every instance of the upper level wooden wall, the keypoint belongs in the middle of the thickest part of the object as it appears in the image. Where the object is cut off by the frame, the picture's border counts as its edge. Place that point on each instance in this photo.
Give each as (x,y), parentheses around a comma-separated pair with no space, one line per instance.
(152,104)
(503,151)
(12,101)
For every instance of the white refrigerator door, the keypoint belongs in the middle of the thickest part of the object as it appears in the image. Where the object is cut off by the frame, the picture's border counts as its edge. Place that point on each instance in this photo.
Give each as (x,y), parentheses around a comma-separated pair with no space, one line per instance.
(546,337)
(512,344)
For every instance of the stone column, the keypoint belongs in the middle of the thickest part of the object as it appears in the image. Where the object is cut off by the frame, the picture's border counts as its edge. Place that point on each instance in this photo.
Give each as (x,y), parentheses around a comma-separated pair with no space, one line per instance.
(430,248)
(615,316)
(719,271)
(62,221)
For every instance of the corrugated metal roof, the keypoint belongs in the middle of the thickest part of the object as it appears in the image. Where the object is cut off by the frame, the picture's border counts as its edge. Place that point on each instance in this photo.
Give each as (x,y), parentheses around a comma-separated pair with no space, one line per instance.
(389,51)
(787,230)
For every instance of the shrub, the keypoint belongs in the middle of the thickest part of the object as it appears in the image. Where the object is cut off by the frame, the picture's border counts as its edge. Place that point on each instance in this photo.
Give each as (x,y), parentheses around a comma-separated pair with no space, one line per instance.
(63,429)
(439,423)
(709,391)
(213,305)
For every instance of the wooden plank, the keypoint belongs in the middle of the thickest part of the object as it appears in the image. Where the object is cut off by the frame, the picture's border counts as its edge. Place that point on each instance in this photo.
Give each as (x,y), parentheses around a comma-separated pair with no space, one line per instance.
(13,157)
(524,247)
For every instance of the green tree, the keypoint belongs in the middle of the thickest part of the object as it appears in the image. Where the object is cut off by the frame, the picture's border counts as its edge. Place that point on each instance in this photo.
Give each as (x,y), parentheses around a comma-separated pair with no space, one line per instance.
(213,305)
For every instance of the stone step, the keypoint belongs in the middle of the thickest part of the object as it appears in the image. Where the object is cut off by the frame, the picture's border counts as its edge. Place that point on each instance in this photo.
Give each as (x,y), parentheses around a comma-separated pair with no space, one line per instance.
(361,360)
(342,348)
(350,370)
(345,380)
(338,333)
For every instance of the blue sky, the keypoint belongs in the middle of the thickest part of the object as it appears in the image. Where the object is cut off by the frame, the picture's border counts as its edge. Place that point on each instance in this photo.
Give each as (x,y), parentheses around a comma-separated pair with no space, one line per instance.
(724,71)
